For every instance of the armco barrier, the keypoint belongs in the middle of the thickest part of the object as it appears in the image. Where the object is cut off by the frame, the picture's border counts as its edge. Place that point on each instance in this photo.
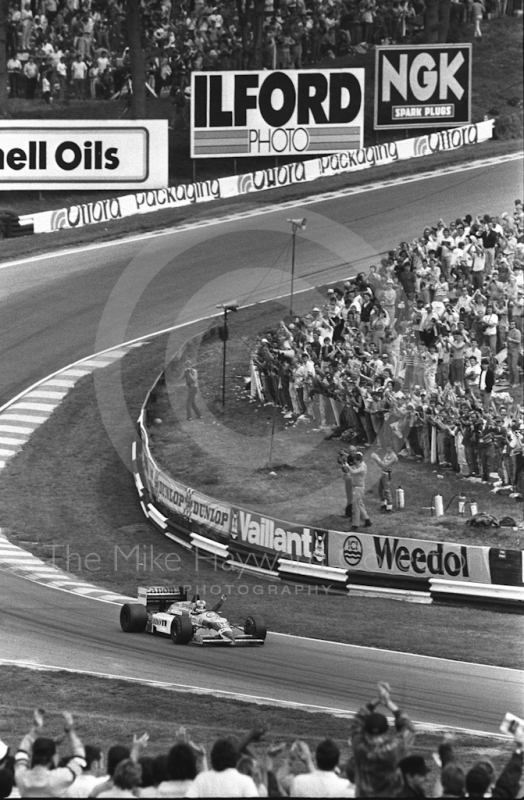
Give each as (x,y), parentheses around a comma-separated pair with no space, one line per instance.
(255,542)
(478,594)
(103,211)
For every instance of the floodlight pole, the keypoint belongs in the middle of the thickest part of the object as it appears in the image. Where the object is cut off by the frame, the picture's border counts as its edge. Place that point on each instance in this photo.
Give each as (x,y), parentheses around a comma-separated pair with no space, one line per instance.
(232,306)
(224,360)
(295,225)
(294,236)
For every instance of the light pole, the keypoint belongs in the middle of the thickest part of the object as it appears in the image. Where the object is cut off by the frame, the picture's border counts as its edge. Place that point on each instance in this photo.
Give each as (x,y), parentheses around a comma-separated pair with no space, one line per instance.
(232,306)
(295,225)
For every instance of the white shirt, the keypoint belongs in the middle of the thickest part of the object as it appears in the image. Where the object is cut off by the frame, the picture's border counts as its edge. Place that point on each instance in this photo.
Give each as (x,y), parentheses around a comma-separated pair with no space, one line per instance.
(172,788)
(228,783)
(78,70)
(321,784)
(83,785)
(490,321)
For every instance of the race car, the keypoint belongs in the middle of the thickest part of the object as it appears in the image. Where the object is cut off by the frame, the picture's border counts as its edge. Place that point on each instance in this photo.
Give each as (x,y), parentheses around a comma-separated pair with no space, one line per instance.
(168,611)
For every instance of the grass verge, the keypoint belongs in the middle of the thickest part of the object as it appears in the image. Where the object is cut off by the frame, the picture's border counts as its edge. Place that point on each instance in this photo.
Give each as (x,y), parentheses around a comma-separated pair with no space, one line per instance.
(62,515)
(109,711)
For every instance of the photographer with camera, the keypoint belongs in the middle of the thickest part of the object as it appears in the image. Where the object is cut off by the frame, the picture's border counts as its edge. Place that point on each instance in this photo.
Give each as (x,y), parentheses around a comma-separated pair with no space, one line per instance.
(356,473)
(346,460)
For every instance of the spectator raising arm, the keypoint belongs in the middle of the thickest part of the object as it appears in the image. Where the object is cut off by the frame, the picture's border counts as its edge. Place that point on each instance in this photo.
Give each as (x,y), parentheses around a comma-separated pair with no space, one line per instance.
(35,771)
(377,750)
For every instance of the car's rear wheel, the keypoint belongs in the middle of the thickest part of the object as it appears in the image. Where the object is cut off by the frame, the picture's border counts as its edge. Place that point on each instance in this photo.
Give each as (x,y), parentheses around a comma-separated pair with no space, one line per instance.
(181,630)
(133,618)
(255,626)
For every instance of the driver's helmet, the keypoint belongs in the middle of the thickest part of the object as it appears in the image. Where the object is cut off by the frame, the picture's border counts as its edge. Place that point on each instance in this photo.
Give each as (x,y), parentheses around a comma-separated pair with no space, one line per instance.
(200,606)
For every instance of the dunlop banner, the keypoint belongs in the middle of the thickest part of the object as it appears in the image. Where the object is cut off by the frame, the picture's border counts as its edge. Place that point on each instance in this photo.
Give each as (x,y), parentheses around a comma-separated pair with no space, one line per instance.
(416,558)
(191,504)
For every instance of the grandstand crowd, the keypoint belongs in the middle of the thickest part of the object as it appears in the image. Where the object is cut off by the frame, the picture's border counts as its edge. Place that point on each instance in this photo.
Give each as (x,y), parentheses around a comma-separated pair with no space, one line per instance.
(78,48)
(423,354)
(382,761)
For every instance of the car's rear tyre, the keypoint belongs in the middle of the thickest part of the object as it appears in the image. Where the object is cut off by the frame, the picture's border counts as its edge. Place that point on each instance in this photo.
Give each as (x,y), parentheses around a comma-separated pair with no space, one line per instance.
(133,618)
(181,630)
(255,626)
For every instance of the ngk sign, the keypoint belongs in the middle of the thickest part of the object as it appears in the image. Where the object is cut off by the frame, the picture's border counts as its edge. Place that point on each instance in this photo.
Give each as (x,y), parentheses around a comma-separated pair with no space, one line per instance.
(426,86)
(290,112)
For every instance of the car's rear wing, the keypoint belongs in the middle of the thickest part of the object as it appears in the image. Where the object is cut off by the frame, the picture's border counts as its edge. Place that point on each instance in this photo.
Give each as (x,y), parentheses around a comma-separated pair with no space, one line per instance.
(157,598)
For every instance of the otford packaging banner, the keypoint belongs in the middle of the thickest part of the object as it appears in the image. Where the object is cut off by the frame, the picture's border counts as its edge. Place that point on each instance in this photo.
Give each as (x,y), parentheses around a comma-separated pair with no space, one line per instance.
(83,155)
(145,202)
(285,539)
(276,113)
(388,555)
(422,86)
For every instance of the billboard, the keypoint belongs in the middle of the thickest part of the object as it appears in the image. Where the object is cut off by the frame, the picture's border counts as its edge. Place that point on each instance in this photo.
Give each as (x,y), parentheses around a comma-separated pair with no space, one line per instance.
(395,556)
(422,86)
(273,113)
(256,532)
(105,154)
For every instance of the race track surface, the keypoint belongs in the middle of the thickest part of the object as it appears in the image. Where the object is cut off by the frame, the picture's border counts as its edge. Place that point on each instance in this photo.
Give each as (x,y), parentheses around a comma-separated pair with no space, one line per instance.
(61,308)
(49,627)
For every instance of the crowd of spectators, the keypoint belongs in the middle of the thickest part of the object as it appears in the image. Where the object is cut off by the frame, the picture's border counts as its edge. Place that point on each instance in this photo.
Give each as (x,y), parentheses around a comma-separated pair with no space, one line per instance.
(64,48)
(382,762)
(423,354)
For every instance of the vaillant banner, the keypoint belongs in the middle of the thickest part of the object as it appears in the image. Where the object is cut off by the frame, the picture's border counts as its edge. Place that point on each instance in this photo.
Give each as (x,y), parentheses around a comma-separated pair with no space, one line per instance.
(276,113)
(422,86)
(106,154)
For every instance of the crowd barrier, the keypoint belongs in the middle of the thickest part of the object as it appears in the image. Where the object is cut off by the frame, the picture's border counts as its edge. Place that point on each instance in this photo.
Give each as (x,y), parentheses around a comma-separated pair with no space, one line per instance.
(249,540)
(103,211)
(477,594)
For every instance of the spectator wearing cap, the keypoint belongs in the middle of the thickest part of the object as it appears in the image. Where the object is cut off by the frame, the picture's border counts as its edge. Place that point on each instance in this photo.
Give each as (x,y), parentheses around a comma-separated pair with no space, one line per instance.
(377,750)
(414,773)
(35,761)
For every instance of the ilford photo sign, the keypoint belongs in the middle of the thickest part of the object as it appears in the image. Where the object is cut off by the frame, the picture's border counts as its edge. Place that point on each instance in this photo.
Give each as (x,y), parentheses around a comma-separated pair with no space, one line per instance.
(83,155)
(276,113)
(422,86)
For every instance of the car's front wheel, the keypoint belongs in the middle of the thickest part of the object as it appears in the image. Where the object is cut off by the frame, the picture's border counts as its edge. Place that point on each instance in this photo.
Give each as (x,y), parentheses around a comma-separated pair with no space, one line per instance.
(255,626)
(181,630)
(133,618)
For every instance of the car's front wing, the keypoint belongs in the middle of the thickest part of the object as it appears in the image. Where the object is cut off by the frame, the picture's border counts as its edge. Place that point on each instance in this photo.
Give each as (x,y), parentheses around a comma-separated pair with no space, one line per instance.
(239,639)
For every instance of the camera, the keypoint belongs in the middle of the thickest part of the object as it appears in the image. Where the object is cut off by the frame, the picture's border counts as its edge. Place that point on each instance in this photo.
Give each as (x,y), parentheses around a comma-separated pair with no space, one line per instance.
(511,724)
(342,457)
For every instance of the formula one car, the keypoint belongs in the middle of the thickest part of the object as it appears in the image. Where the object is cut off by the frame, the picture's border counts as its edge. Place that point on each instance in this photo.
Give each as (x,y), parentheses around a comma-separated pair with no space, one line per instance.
(168,611)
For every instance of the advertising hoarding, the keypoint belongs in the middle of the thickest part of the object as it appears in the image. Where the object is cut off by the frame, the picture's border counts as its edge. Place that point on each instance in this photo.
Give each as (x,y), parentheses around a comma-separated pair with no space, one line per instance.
(422,86)
(279,539)
(105,154)
(272,113)
(416,558)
